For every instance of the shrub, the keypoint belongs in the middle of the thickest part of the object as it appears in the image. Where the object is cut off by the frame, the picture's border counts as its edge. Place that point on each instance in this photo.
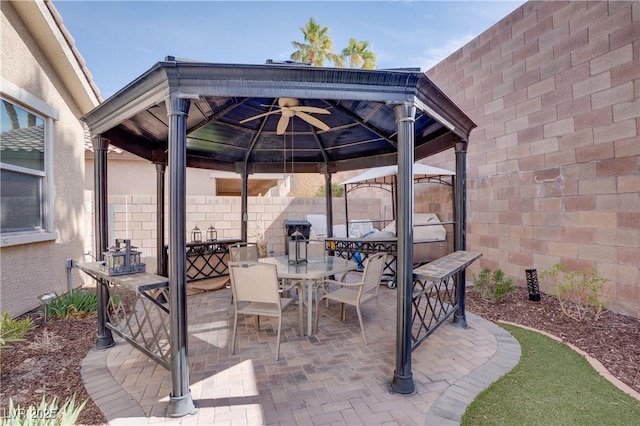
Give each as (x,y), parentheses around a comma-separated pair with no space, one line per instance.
(580,293)
(13,330)
(493,286)
(74,305)
(45,414)
(336,191)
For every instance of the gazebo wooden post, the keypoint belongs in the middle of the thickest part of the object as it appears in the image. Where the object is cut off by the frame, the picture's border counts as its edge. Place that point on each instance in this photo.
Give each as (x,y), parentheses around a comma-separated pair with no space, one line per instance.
(180,401)
(402,377)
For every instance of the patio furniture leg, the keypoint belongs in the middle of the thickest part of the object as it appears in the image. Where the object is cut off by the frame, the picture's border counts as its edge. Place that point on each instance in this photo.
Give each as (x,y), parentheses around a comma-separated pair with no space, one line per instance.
(279,331)
(309,302)
(315,329)
(233,335)
(300,309)
(361,324)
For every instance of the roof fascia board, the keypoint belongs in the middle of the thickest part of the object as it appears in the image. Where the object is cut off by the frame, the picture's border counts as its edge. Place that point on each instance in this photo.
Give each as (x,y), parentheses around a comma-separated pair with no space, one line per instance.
(45,30)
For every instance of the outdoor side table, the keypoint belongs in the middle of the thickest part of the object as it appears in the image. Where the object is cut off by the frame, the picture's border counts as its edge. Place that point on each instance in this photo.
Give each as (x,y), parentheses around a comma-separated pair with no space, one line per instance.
(434,295)
(145,325)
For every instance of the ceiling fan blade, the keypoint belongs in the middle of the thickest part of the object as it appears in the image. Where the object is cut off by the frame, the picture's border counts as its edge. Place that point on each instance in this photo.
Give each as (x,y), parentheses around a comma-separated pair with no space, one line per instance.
(311,109)
(282,125)
(312,120)
(264,114)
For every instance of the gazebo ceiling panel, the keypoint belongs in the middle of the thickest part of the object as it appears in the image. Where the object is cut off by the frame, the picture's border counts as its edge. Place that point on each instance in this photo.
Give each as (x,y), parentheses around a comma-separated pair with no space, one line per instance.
(360,105)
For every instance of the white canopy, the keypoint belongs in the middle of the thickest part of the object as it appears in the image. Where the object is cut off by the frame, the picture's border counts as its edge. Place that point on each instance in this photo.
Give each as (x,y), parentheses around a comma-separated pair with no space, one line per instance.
(384,174)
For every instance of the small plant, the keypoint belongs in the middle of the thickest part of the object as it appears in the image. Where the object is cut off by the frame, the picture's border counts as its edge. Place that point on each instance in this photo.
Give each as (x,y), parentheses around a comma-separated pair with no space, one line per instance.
(45,414)
(47,342)
(13,330)
(580,293)
(259,235)
(493,286)
(78,304)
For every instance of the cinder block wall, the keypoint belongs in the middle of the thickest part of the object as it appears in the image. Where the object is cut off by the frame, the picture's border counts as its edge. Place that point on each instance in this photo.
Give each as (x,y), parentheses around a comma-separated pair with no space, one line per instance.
(134,217)
(553,167)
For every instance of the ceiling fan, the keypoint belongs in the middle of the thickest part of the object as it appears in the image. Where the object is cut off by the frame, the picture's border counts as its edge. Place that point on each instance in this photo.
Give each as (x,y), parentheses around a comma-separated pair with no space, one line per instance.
(289,107)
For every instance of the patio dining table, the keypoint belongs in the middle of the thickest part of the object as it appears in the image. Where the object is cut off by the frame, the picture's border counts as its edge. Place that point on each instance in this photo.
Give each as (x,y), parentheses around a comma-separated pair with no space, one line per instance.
(309,273)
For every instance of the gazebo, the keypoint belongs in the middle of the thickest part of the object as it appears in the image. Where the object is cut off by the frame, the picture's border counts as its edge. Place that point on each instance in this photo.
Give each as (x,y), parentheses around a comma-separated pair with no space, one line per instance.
(263,119)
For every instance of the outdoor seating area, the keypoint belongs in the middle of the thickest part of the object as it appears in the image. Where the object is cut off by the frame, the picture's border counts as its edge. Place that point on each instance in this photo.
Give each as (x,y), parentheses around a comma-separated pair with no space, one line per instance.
(330,377)
(245,338)
(244,322)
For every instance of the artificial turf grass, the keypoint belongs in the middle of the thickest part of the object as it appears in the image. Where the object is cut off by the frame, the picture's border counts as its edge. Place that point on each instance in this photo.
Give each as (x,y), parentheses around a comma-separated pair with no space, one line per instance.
(551,385)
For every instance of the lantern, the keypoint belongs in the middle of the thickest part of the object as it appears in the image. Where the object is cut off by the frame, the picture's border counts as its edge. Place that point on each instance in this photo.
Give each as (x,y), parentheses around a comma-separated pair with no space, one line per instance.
(212,234)
(122,260)
(196,235)
(297,248)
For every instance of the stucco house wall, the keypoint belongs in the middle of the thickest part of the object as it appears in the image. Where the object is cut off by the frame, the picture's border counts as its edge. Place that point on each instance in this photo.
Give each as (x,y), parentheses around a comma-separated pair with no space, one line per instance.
(131,175)
(553,167)
(40,67)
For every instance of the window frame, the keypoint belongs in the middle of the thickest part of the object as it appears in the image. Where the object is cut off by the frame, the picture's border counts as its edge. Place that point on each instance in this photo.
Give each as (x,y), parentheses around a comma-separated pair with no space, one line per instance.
(27,101)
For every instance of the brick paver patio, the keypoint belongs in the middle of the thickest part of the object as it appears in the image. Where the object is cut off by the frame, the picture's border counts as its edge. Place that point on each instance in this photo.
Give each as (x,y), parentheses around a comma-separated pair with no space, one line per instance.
(328,378)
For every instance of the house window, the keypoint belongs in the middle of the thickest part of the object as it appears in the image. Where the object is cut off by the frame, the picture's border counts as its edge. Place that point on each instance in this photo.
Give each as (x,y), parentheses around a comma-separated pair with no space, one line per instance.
(23,169)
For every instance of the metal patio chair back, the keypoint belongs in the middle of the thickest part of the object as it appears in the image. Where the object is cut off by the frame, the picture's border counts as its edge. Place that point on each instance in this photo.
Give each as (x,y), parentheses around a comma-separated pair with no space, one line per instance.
(256,291)
(243,251)
(356,293)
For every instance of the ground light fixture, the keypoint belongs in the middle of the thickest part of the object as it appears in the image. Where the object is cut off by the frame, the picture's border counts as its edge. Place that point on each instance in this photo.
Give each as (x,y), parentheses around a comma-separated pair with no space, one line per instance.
(532,284)
(45,299)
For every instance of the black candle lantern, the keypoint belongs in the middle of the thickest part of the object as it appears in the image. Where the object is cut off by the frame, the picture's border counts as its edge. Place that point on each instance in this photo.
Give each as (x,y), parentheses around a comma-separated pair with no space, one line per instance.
(532,284)
(212,234)
(196,235)
(297,248)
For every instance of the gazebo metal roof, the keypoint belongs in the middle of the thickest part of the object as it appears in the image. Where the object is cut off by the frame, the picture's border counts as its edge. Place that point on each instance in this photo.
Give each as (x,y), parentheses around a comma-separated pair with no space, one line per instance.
(193,114)
(362,126)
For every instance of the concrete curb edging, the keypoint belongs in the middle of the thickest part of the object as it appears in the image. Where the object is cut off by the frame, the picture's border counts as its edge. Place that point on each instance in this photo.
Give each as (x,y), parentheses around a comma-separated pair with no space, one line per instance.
(597,365)
(449,408)
(118,406)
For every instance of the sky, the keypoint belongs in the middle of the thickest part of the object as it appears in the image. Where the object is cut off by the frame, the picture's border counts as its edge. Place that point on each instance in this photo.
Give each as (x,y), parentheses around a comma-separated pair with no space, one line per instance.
(120,40)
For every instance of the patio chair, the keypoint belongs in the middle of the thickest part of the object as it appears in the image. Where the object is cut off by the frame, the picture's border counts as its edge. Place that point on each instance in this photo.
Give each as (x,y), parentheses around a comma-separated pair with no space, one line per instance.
(355,294)
(256,292)
(243,251)
(249,252)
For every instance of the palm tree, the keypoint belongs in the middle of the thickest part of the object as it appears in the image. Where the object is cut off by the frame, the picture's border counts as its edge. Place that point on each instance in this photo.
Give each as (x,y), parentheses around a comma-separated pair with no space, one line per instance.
(11,112)
(358,55)
(317,46)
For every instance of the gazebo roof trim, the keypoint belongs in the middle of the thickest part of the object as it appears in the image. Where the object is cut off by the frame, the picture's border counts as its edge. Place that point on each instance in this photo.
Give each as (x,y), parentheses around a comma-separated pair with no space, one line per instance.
(362,120)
